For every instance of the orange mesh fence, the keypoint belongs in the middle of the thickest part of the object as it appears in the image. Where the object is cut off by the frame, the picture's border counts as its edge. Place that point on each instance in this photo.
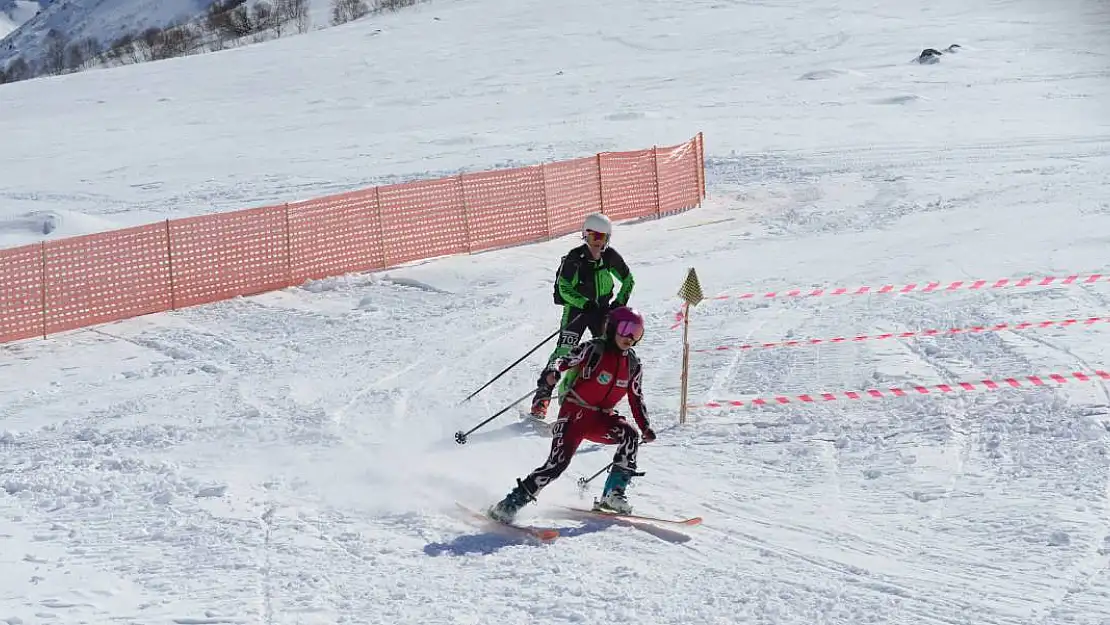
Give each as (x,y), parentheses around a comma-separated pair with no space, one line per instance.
(221,256)
(21,293)
(628,185)
(422,220)
(504,207)
(335,235)
(105,277)
(81,281)
(573,190)
(678,177)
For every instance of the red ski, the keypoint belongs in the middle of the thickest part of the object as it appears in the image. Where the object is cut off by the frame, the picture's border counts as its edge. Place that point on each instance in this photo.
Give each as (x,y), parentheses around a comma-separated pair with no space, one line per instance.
(637,517)
(542,534)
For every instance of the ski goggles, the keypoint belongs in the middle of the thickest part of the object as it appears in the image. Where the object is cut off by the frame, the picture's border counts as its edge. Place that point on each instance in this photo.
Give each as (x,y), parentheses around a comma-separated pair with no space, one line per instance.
(631,330)
(593,236)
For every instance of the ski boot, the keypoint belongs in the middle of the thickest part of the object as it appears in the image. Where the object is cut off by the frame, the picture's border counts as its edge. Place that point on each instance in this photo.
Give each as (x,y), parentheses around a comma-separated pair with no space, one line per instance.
(542,399)
(539,408)
(612,499)
(506,509)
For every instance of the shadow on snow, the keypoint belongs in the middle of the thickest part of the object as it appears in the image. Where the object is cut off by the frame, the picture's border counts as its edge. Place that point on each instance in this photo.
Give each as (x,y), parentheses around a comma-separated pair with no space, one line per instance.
(487,543)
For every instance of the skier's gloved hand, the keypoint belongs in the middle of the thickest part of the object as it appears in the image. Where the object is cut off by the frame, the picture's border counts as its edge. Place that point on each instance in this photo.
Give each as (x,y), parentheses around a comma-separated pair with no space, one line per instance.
(648,435)
(552,377)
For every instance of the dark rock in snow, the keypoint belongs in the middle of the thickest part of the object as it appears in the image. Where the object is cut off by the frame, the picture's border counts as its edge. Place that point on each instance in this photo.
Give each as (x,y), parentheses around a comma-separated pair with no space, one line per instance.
(930,56)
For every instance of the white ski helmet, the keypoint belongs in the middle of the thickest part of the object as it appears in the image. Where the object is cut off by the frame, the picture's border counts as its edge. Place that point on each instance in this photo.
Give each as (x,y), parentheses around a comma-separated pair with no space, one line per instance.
(598,223)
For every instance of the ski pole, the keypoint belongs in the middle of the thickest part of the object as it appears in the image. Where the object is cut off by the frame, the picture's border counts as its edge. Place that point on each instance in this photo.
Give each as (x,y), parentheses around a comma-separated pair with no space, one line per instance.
(518,361)
(585,481)
(460,436)
(506,369)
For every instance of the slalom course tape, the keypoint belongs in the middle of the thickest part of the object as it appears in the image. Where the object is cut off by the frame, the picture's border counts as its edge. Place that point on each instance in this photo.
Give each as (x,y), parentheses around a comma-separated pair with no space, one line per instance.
(1025,325)
(913,287)
(990,385)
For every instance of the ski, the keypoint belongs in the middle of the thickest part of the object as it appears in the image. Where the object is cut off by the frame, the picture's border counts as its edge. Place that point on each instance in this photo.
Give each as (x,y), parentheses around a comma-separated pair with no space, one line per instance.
(637,517)
(542,534)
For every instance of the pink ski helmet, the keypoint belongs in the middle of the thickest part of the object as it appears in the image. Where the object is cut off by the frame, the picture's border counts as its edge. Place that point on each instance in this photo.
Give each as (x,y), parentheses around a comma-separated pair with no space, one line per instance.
(624,321)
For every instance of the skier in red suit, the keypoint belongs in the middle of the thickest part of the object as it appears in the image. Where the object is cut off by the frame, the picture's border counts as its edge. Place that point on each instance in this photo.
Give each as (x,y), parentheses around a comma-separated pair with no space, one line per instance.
(602,372)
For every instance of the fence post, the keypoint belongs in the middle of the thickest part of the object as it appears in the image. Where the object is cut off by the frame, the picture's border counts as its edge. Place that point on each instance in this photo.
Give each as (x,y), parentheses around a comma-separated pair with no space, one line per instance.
(701,166)
(288,248)
(546,209)
(42,269)
(697,169)
(381,227)
(655,160)
(169,260)
(600,186)
(684,377)
(466,216)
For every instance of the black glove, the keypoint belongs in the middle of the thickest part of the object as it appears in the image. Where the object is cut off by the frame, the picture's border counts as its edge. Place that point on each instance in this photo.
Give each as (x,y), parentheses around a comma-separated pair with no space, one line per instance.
(547,374)
(648,434)
(552,377)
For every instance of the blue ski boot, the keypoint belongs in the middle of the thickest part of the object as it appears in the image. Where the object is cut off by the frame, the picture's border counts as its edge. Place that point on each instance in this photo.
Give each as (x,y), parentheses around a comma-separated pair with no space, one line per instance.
(506,509)
(612,496)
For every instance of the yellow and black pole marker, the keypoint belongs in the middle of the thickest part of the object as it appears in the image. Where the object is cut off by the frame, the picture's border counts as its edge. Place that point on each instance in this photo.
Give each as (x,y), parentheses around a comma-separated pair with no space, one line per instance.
(691,294)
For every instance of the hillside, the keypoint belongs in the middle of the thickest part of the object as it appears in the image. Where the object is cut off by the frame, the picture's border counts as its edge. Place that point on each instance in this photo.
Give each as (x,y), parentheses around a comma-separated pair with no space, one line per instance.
(13,13)
(102,20)
(77,35)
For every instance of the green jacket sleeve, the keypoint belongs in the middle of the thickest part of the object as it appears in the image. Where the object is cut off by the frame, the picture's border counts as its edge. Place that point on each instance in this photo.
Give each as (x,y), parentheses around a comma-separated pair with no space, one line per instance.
(620,269)
(568,275)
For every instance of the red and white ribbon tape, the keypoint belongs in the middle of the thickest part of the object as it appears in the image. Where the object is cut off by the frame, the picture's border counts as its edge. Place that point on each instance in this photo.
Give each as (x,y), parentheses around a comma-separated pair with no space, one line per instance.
(990,385)
(913,287)
(1024,325)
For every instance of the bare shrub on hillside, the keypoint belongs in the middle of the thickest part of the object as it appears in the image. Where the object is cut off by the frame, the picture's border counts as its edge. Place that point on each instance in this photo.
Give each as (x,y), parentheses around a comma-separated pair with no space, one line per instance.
(219,22)
(267,17)
(114,53)
(178,41)
(242,21)
(295,11)
(54,56)
(148,45)
(392,5)
(343,11)
(262,16)
(81,54)
(19,69)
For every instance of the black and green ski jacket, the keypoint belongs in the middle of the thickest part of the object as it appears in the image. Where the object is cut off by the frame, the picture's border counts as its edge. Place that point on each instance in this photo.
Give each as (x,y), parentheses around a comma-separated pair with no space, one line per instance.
(582,279)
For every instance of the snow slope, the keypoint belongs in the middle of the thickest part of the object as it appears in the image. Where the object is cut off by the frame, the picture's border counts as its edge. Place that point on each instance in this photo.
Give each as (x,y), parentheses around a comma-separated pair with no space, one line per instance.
(288,458)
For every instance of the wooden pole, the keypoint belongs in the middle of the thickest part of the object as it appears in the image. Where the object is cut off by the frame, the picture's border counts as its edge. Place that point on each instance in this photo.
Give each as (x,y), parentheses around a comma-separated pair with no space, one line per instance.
(685,362)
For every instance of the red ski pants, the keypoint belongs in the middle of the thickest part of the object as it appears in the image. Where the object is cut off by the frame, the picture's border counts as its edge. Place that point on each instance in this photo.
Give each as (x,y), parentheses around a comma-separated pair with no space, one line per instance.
(576,424)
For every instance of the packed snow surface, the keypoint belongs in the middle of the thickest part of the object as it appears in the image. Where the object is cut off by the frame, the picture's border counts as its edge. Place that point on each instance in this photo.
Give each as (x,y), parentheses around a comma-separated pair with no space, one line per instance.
(289,457)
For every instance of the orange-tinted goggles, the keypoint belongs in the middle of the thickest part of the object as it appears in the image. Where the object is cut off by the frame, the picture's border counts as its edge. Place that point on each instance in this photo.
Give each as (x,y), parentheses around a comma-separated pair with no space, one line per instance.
(593,236)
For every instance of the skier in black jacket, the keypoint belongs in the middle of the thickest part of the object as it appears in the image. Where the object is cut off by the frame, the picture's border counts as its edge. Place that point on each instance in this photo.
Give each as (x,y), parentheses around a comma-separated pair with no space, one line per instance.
(584,288)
